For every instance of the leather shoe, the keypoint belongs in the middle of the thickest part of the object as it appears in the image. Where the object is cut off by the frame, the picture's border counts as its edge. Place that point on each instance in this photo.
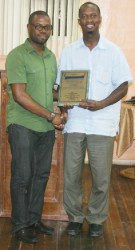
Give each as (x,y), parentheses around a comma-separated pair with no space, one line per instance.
(26,235)
(74,228)
(40,228)
(95,230)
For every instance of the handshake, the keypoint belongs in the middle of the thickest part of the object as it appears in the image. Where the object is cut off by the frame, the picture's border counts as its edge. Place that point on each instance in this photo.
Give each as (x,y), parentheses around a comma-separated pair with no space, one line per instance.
(58,119)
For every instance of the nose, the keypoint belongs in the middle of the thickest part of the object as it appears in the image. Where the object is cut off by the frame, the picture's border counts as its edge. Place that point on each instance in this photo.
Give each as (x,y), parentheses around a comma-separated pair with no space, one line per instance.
(89,19)
(43,30)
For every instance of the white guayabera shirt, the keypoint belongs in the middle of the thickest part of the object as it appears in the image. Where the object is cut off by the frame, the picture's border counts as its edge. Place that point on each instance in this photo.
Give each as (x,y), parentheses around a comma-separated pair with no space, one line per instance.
(108,70)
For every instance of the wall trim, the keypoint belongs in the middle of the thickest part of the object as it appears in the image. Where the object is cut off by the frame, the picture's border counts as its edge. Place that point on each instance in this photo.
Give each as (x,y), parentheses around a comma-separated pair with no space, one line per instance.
(124,162)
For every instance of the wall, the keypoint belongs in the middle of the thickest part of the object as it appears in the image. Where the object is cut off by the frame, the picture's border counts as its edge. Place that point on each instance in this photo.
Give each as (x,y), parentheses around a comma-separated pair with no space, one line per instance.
(118,25)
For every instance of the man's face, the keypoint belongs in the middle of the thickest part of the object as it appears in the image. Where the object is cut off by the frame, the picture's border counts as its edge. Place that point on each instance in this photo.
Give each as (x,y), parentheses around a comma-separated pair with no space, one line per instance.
(39,29)
(89,19)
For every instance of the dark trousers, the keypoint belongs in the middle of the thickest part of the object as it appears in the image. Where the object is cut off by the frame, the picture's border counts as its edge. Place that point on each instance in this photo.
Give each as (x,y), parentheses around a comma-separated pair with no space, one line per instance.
(30,168)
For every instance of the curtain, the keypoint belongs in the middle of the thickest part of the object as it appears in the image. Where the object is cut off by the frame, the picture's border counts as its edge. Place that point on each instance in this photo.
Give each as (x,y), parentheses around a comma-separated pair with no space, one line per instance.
(13,20)
(14,16)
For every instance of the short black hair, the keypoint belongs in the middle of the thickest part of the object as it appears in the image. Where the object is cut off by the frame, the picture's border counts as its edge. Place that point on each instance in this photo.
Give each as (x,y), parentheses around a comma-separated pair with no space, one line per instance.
(87,3)
(37,13)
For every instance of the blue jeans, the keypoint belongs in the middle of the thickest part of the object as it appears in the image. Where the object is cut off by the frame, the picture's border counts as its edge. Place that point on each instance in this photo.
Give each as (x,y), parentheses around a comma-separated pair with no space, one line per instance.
(30,168)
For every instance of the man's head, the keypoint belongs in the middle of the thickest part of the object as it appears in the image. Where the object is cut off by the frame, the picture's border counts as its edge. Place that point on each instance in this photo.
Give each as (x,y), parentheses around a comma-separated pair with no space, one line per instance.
(39,27)
(89,17)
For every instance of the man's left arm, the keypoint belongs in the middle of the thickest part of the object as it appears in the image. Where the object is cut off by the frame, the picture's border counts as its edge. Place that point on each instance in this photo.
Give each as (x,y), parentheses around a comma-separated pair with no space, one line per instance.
(114,97)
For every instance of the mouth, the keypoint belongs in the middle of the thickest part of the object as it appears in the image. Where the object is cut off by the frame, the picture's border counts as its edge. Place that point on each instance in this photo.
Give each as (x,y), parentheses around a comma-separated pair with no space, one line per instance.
(89,26)
(42,37)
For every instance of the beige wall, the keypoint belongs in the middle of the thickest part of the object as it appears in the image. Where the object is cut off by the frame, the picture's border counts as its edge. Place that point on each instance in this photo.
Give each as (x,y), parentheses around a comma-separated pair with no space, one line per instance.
(128,158)
(118,21)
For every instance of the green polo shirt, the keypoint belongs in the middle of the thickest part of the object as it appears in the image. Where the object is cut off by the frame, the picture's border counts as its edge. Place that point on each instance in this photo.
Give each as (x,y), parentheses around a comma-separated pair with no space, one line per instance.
(25,65)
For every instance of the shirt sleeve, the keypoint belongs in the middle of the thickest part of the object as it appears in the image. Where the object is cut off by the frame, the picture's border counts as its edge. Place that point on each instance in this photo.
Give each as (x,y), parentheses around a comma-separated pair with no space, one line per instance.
(15,68)
(121,71)
(61,66)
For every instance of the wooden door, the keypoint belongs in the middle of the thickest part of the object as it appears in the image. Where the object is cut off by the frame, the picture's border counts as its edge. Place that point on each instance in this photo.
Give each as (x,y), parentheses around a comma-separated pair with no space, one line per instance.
(53,200)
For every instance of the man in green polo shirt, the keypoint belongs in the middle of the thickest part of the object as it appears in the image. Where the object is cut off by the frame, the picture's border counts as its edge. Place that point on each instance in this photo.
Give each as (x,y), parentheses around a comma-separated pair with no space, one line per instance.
(31,70)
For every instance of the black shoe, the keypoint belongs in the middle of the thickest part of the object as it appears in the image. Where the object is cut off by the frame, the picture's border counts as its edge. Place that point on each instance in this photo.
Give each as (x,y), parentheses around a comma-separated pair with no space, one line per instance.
(40,228)
(74,228)
(95,230)
(26,235)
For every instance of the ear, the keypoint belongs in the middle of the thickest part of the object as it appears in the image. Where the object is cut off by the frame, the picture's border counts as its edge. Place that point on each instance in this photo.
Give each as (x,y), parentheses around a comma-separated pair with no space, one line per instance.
(100,19)
(28,27)
(79,21)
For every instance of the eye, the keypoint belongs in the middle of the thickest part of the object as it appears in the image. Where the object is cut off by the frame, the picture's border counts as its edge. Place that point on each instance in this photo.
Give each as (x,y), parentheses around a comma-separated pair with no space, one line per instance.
(38,26)
(84,17)
(94,16)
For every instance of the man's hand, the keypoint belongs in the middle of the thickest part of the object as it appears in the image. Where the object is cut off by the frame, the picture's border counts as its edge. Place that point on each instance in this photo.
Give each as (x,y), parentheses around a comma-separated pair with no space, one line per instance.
(67,106)
(58,119)
(91,104)
(114,97)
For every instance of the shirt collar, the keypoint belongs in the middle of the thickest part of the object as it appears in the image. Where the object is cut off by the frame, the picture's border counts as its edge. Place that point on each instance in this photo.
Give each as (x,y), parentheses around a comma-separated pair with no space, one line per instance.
(101,43)
(31,49)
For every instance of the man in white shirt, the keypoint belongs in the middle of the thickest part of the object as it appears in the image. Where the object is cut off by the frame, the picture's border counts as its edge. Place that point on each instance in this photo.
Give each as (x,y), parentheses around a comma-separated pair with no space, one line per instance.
(94,123)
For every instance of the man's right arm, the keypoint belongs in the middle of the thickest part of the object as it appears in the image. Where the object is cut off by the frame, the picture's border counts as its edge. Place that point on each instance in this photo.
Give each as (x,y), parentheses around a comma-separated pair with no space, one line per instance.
(25,100)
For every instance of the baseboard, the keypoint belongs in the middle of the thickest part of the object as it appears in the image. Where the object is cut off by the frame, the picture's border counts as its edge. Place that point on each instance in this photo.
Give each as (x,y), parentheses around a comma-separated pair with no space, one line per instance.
(118,162)
(124,162)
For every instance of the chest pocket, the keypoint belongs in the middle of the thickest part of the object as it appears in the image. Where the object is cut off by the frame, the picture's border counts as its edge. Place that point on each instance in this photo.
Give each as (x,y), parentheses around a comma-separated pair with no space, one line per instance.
(103,77)
(101,83)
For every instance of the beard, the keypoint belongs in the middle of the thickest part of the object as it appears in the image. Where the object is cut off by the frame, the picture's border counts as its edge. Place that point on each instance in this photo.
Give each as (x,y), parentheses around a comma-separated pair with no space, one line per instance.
(39,40)
(90,32)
